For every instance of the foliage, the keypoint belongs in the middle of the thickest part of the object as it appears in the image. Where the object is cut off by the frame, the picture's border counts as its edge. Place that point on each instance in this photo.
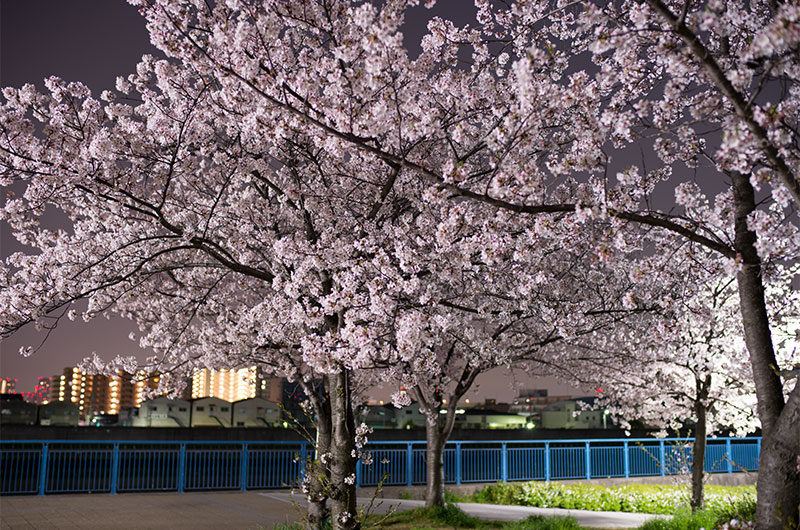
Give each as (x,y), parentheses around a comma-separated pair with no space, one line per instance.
(452,515)
(657,499)
(737,515)
(683,520)
(538,522)
(448,516)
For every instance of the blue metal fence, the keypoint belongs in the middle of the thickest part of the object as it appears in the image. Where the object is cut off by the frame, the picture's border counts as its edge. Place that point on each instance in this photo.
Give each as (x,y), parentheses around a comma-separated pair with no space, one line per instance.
(41,467)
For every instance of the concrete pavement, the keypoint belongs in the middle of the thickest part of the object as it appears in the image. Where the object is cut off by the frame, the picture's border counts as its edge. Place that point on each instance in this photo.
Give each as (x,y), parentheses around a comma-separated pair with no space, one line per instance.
(230,510)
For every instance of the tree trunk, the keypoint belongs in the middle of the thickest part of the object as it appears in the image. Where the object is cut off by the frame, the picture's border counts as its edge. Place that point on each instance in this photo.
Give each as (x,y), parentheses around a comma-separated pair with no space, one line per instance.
(779,492)
(698,455)
(343,459)
(318,475)
(434,492)
(778,489)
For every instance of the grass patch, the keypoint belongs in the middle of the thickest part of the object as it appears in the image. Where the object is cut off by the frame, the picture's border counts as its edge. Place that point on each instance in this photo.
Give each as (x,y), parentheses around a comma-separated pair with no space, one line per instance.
(634,498)
(537,522)
(684,520)
(448,516)
(706,519)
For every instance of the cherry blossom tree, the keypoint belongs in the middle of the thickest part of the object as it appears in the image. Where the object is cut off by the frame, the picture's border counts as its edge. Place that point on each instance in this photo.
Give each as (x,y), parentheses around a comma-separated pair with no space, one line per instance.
(522,298)
(687,362)
(225,248)
(673,78)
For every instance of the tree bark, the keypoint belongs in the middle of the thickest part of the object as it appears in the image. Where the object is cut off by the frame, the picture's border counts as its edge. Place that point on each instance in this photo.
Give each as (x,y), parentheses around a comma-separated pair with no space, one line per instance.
(778,488)
(778,485)
(698,454)
(434,491)
(437,433)
(343,459)
(318,479)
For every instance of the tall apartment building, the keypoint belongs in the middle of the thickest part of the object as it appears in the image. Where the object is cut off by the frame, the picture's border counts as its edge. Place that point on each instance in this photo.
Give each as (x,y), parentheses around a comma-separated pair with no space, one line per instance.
(98,394)
(235,384)
(41,391)
(7,385)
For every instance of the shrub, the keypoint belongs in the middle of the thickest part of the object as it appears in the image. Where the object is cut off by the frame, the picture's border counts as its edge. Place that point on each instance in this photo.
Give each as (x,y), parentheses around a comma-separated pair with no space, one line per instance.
(729,518)
(657,499)
(683,520)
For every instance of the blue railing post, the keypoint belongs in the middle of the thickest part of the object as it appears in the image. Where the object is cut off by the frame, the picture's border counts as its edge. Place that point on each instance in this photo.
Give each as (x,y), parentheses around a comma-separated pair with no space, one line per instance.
(303,456)
(181,468)
(458,463)
(504,462)
(758,455)
(243,469)
(43,469)
(547,461)
(662,457)
(409,465)
(358,473)
(114,469)
(626,460)
(588,456)
(729,455)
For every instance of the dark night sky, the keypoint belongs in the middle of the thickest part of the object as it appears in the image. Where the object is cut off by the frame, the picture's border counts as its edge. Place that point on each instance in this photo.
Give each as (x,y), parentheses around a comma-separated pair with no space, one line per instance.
(94,41)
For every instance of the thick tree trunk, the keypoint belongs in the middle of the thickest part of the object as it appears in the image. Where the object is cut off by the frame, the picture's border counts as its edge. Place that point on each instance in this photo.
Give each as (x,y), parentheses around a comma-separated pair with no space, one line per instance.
(318,472)
(778,489)
(434,492)
(343,461)
(698,455)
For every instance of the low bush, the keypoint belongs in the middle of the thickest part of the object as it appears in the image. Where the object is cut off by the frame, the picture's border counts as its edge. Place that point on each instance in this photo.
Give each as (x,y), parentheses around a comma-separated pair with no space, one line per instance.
(733,517)
(684,520)
(637,498)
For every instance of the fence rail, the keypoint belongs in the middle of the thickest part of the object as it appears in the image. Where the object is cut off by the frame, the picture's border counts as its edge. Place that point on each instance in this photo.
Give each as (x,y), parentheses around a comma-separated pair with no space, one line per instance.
(42,467)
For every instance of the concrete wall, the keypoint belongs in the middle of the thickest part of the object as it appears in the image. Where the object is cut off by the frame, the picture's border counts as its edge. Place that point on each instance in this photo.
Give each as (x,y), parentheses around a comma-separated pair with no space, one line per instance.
(163,412)
(256,412)
(211,412)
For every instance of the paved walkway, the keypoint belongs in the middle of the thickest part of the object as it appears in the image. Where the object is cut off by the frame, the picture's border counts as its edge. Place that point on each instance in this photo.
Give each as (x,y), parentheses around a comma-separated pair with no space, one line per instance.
(180,511)
(228,510)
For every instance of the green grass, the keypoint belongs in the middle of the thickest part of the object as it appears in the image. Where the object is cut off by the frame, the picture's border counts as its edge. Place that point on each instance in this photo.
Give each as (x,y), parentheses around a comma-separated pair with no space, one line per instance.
(684,520)
(708,518)
(636,498)
(537,522)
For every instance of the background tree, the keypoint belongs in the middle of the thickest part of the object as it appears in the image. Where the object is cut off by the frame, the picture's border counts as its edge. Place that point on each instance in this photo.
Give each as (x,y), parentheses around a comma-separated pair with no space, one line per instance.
(685,365)
(497,295)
